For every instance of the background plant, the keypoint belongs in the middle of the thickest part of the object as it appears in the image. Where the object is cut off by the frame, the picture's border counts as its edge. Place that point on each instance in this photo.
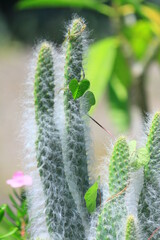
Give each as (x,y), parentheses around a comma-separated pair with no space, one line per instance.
(14,219)
(120,62)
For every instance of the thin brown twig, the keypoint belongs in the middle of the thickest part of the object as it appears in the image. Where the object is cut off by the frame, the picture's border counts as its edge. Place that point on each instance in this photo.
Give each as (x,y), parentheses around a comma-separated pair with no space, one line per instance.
(156,230)
(100,126)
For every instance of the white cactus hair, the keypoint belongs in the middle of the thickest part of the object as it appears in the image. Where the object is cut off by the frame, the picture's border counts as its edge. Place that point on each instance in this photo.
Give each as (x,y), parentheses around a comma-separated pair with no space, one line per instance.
(133,191)
(36,205)
(61,163)
(82,131)
(59,89)
(151,189)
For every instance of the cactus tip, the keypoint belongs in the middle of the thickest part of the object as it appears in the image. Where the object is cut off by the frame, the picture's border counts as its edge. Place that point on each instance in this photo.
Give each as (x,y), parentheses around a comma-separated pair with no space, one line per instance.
(77,27)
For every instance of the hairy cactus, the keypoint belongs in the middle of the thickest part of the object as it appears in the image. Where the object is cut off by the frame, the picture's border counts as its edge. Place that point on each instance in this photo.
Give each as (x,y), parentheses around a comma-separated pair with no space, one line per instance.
(149,203)
(111,219)
(131,229)
(61,211)
(119,166)
(58,158)
(75,154)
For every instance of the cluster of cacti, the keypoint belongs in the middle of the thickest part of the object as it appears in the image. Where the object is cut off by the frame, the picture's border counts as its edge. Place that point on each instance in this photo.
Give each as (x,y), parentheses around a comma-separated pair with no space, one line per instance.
(58,159)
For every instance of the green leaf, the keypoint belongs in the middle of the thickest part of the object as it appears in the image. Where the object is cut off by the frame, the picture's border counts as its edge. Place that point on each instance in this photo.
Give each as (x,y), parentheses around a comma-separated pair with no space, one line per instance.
(101,59)
(139,36)
(141,159)
(11,214)
(118,88)
(15,204)
(57,3)
(10,233)
(78,88)
(96,5)
(16,195)
(2,211)
(89,101)
(91,196)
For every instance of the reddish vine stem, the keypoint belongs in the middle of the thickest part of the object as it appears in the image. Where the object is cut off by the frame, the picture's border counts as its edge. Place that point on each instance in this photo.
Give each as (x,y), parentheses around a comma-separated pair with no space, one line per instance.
(117,194)
(23,226)
(156,230)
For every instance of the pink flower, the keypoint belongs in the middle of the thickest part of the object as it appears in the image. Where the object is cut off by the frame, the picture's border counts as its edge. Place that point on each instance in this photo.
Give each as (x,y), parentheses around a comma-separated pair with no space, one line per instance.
(19,180)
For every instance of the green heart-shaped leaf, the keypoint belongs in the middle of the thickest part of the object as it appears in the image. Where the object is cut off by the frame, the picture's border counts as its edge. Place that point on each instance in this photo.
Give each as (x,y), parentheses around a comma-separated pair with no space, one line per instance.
(89,101)
(78,88)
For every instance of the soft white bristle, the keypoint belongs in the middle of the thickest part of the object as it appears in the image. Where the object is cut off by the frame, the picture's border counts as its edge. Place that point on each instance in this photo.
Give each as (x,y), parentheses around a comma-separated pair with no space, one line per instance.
(37,228)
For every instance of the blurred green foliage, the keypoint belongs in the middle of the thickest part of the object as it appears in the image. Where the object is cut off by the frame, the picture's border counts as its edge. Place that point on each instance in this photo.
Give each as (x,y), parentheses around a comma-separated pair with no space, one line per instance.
(13,220)
(96,5)
(118,64)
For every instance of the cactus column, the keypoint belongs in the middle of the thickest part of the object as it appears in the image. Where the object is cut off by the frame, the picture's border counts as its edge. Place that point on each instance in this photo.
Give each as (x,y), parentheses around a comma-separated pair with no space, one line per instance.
(75,156)
(62,218)
(149,203)
(111,219)
(131,229)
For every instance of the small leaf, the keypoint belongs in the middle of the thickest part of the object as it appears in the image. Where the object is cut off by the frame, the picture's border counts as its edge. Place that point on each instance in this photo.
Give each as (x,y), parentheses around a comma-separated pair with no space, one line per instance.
(16,195)
(142,158)
(73,86)
(2,211)
(89,101)
(14,230)
(15,204)
(11,213)
(78,88)
(83,87)
(91,197)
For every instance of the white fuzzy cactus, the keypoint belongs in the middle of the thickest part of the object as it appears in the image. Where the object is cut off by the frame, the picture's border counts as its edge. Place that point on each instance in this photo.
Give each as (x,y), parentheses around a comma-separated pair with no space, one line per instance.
(58,159)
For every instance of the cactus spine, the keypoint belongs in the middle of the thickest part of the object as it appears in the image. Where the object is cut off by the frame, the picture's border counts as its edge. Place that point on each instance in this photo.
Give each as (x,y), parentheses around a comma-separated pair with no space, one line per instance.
(110,223)
(148,209)
(75,157)
(60,210)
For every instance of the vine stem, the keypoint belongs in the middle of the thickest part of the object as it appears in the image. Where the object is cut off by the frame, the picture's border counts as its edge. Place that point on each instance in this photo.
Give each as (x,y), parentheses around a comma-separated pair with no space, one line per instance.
(156,230)
(23,226)
(117,194)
